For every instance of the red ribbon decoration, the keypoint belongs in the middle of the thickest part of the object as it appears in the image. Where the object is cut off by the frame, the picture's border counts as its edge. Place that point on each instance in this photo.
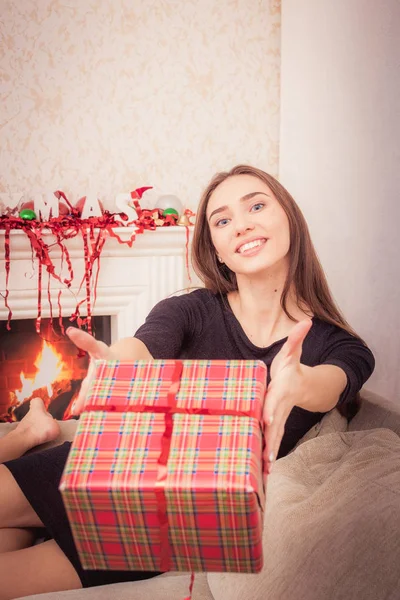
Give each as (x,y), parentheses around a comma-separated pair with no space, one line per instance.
(64,227)
(7,258)
(148,408)
(165,550)
(39,313)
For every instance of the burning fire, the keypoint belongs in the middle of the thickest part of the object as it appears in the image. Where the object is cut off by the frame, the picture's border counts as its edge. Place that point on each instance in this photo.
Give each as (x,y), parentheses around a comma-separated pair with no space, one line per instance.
(50,368)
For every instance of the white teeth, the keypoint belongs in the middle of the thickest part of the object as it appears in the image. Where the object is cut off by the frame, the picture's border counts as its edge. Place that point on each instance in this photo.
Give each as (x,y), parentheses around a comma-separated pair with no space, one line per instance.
(250,245)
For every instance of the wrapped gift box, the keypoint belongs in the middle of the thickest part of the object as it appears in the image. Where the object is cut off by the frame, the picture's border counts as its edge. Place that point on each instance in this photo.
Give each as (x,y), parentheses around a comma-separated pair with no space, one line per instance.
(165,471)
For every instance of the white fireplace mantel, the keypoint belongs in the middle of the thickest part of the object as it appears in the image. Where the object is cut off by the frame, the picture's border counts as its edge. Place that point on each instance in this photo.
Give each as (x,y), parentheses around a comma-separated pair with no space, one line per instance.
(131,280)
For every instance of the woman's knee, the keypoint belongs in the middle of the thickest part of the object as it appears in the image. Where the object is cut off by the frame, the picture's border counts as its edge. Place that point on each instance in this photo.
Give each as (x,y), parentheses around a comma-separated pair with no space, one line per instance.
(15,538)
(44,568)
(15,510)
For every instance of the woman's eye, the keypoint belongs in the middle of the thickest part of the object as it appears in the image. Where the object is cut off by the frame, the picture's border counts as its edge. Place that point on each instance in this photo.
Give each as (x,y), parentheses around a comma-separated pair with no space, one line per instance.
(257,207)
(221,222)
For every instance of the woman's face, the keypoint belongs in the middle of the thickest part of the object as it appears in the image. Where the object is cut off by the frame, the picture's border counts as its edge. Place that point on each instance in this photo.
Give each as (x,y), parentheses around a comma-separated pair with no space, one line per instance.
(249,228)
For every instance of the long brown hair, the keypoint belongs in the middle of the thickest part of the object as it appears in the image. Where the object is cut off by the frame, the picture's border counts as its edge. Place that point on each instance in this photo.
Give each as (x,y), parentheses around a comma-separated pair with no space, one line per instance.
(305,275)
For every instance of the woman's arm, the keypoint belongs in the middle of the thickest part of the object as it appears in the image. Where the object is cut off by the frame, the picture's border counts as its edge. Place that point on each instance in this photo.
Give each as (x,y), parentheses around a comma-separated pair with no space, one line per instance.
(321,387)
(130,349)
(124,349)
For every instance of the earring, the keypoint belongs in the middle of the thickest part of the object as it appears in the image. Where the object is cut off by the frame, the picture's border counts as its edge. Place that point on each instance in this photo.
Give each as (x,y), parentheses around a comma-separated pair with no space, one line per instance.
(220,259)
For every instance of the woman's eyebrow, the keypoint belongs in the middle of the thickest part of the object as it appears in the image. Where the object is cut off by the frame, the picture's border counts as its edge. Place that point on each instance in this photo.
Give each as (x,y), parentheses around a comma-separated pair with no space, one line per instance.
(251,195)
(242,199)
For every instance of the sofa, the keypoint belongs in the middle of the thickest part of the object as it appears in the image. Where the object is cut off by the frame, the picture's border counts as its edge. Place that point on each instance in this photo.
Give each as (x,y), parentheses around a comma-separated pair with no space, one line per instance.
(332,521)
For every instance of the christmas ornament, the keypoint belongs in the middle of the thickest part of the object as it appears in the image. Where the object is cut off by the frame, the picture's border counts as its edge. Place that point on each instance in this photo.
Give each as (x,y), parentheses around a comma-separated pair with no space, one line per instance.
(63,209)
(26,204)
(183,221)
(169,201)
(125,204)
(170,211)
(64,205)
(27,214)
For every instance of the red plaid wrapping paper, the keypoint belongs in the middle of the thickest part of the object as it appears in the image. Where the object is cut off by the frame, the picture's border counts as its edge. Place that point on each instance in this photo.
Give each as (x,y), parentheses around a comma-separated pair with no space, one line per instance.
(205,512)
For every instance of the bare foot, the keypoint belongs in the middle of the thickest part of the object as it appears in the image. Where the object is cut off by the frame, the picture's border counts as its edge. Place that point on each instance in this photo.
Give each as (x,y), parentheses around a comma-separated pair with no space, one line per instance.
(38,426)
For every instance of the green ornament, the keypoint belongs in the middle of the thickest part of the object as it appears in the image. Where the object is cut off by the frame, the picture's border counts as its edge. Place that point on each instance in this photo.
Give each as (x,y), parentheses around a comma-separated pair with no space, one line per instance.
(27,214)
(170,211)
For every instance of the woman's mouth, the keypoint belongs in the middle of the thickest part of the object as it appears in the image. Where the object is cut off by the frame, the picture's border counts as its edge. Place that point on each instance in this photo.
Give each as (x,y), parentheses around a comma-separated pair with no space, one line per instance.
(252,247)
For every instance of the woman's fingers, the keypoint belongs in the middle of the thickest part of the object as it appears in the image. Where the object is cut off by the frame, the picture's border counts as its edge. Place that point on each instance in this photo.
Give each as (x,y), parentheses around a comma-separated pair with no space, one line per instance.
(281,392)
(96,350)
(273,437)
(294,343)
(84,389)
(88,343)
(277,407)
(290,353)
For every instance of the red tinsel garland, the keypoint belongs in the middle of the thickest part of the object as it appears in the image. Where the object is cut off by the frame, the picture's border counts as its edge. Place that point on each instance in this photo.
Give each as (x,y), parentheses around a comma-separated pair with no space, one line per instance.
(94,232)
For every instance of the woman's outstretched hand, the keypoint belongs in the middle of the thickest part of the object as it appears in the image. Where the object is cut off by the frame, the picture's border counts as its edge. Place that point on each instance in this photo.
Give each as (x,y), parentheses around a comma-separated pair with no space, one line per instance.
(285,390)
(129,349)
(96,350)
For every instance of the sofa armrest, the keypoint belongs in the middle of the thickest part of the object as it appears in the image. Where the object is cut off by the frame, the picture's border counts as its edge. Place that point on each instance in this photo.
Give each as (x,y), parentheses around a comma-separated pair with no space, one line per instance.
(376,412)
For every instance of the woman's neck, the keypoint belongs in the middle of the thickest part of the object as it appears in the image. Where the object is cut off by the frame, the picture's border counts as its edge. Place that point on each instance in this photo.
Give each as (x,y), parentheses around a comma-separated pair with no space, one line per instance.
(257,307)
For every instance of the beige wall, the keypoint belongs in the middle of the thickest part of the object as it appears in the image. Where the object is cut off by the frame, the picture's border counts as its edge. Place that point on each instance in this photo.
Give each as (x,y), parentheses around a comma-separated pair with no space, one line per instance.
(340,157)
(120,93)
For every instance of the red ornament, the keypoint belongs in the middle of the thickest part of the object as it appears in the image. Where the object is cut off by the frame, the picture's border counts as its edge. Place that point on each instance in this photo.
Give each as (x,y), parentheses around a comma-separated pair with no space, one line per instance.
(63,209)
(29,204)
(64,205)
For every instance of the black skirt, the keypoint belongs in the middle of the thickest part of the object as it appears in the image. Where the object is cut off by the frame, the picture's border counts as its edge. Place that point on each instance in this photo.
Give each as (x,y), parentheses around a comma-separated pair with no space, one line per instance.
(38,475)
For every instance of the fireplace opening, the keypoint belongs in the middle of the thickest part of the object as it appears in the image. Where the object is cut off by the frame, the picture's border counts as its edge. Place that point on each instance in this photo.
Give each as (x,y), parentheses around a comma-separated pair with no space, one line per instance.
(46,365)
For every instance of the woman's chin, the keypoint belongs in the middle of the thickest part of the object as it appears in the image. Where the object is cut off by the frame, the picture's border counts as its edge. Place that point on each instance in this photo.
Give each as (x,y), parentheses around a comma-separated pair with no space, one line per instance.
(261,268)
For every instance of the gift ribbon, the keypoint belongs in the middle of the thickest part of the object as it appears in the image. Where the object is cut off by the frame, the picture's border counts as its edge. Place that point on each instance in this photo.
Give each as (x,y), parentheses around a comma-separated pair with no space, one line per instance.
(150,408)
(165,550)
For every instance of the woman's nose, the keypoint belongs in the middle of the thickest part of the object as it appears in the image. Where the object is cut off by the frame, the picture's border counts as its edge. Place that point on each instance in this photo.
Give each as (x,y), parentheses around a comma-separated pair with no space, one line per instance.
(244,226)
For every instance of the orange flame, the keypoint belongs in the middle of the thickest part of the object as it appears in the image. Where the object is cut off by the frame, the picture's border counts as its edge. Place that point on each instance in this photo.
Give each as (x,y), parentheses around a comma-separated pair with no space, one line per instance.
(50,368)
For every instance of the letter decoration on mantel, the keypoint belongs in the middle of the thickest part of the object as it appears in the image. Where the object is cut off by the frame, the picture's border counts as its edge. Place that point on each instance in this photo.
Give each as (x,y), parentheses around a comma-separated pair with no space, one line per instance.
(94,230)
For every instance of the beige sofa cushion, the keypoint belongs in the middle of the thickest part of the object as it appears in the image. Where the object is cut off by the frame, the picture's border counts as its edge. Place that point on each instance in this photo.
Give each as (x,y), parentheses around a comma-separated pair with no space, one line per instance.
(332,526)
(164,587)
(377,412)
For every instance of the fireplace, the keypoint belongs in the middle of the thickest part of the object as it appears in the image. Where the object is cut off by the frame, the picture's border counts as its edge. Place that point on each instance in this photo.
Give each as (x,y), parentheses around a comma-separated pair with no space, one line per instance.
(46,365)
(131,280)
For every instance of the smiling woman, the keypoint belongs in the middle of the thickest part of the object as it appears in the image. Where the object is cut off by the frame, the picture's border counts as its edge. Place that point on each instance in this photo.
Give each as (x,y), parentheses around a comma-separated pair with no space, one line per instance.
(265,298)
(270,215)
(247,225)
